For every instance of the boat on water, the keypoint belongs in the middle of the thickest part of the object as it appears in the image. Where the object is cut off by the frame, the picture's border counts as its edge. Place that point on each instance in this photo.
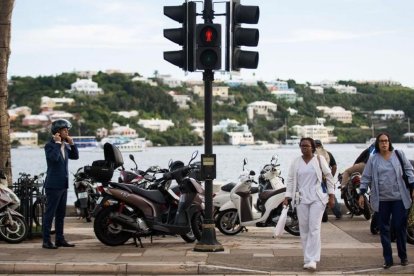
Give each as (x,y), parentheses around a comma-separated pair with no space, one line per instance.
(126,144)
(367,143)
(409,135)
(293,141)
(86,142)
(264,145)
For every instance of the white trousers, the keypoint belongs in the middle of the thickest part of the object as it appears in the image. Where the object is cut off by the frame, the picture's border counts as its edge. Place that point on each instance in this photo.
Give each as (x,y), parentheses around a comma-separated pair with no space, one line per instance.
(310,218)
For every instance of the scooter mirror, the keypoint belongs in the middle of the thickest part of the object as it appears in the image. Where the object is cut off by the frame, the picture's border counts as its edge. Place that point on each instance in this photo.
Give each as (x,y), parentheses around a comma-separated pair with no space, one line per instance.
(274,159)
(193,156)
(131,157)
(252,173)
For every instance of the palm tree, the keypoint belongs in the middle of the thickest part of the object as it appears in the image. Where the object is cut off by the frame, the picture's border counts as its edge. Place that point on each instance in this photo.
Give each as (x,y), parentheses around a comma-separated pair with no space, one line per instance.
(6,9)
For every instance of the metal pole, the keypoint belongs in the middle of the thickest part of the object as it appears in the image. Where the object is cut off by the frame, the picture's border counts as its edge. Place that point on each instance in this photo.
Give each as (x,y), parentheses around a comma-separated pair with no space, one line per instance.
(208,242)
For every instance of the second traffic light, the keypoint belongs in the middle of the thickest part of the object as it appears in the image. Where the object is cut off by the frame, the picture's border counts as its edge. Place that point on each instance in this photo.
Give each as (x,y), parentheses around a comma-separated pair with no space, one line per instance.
(236,36)
(208,37)
(184,36)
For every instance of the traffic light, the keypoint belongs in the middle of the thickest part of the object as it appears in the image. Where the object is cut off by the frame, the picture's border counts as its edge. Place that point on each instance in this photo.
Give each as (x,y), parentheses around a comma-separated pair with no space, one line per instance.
(184,36)
(236,36)
(208,46)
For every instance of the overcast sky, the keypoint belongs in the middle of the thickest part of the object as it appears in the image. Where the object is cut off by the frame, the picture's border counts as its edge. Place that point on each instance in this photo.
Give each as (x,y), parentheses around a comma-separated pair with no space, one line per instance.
(304,40)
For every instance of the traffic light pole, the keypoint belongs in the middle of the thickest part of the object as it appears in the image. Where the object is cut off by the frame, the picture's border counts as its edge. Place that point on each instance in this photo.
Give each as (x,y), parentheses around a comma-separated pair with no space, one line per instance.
(208,242)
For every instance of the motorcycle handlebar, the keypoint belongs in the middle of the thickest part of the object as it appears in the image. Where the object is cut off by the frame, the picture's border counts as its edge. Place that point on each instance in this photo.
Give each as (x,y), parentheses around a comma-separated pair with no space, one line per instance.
(178,173)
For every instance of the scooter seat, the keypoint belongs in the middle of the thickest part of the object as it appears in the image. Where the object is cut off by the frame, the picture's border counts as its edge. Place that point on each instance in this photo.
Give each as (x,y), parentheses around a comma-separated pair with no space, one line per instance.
(254,190)
(153,195)
(269,193)
(228,187)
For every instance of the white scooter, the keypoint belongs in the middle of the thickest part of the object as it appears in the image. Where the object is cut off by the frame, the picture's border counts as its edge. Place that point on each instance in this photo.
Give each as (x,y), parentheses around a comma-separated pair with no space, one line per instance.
(237,213)
(269,179)
(13,227)
(223,196)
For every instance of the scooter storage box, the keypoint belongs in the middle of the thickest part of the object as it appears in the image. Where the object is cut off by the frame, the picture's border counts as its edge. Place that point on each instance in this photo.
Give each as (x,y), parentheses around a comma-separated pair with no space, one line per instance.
(103,170)
(113,155)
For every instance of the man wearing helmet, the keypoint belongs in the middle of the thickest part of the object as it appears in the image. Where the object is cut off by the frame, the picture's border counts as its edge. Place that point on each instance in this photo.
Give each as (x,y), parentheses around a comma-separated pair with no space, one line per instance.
(58,151)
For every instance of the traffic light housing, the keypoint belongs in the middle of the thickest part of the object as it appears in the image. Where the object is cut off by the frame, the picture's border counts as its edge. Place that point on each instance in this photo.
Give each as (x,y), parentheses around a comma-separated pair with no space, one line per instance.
(208,46)
(236,36)
(184,36)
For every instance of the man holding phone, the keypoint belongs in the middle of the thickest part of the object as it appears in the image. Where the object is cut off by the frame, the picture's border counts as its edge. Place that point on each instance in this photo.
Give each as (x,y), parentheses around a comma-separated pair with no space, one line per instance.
(58,151)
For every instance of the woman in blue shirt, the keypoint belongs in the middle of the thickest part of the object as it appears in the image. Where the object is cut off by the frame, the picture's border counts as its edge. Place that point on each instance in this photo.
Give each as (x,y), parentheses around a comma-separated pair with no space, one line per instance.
(390,197)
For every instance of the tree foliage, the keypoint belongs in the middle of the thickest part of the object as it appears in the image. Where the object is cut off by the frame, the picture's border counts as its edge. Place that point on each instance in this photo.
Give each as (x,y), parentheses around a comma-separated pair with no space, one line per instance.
(123,94)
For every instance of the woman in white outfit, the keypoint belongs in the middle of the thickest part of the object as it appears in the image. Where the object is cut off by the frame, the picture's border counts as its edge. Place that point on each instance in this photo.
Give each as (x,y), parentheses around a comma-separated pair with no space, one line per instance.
(310,198)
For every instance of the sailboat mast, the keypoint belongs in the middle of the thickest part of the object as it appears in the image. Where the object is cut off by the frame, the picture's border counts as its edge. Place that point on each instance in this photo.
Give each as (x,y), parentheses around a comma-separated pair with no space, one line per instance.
(372,130)
(286,129)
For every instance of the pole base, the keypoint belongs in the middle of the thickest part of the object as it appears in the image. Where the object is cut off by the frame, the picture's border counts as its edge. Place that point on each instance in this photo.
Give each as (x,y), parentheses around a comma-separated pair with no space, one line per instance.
(208,242)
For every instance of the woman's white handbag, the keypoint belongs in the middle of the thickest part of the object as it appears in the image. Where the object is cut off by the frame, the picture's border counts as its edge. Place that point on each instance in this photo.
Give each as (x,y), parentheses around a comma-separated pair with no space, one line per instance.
(280,226)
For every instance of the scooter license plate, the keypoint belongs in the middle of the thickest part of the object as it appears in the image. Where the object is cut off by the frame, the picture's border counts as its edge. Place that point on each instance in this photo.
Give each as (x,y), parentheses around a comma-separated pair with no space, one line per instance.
(83,195)
(99,200)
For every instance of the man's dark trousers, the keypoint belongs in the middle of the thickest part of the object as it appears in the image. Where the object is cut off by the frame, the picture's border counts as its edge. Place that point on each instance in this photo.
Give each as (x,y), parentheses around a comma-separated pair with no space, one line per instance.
(56,205)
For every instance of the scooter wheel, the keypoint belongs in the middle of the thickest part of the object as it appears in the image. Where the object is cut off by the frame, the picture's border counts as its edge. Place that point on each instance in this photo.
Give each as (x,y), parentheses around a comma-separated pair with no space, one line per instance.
(410,234)
(14,230)
(367,209)
(196,228)
(374,228)
(228,222)
(108,231)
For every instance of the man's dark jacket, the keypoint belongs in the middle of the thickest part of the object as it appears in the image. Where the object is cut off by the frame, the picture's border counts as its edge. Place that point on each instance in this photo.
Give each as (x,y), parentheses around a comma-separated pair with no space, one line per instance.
(57,176)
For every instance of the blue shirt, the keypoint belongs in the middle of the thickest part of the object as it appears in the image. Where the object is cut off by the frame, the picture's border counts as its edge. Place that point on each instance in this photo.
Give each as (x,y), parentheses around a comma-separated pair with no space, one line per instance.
(387,180)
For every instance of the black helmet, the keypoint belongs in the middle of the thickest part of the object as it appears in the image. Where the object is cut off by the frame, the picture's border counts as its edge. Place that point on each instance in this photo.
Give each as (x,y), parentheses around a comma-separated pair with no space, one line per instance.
(176,165)
(59,124)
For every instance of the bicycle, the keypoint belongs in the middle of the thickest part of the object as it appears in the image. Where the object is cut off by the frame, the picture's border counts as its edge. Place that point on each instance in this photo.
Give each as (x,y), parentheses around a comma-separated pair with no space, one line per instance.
(33,200)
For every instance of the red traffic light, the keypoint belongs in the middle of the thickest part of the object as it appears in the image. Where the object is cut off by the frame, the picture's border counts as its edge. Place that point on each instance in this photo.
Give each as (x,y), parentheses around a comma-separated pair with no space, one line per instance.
(208,46)
(208,36)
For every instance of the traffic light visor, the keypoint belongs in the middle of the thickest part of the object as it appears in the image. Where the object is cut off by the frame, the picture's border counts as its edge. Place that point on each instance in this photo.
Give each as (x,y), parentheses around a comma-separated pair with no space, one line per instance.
(246,14)
(245,59)
(176,13)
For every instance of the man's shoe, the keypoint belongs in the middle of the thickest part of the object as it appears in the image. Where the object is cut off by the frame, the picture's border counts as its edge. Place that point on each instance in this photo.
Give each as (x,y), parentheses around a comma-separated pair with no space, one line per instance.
(404,262)
(387,265)
(64,244)
(49,245)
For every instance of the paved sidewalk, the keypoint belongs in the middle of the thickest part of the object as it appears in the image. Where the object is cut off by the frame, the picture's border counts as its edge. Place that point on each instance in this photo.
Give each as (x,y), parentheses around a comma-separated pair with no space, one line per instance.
(347,248)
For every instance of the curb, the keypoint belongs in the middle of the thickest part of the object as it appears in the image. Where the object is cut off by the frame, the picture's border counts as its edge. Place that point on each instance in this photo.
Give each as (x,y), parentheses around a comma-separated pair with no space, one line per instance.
(122,269)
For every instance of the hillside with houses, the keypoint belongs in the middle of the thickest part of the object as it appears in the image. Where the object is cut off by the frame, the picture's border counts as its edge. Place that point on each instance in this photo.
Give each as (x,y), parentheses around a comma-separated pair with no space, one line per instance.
(168,111)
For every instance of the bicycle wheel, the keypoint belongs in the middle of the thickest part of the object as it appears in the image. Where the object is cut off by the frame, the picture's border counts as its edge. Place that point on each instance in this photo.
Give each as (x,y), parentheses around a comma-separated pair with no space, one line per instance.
(38,211)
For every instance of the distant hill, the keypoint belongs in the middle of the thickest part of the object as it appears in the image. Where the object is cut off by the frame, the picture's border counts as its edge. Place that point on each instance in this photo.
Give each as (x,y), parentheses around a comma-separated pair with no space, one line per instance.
(122,94)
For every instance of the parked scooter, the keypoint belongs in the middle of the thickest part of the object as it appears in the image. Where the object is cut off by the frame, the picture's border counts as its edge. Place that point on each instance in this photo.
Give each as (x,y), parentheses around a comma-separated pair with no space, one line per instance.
(269,179)
(126,211)
(13,227)
(351,195)
(133,176)
(223,196)
(86,194)
(238,213)
(142,179)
